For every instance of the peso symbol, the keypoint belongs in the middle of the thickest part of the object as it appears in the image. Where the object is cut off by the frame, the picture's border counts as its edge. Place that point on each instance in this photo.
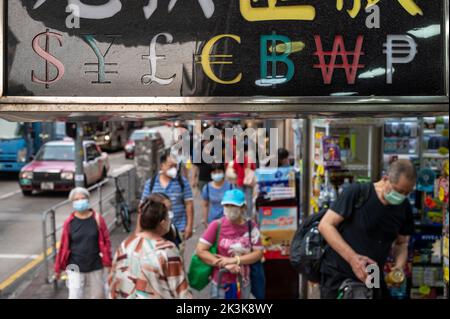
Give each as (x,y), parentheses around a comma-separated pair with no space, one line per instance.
(49,58)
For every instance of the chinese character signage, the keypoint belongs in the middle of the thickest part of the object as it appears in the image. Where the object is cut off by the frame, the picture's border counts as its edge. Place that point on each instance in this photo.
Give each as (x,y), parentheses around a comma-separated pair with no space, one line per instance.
(225,48)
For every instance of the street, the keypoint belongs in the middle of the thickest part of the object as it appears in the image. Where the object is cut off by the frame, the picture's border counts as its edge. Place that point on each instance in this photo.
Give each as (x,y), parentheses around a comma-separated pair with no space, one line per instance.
(21,232)
(21,220)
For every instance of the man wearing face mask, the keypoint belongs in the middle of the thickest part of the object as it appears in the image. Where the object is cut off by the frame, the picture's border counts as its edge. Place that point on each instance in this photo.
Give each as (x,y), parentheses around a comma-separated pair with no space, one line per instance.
(175,186)
(364,235)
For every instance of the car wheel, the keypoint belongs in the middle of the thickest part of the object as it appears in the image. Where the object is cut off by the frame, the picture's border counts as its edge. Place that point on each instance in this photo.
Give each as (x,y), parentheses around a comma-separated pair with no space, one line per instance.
(27,193)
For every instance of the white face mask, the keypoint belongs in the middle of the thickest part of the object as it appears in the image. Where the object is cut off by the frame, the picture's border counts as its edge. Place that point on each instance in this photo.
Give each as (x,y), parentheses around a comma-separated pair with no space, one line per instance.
(232,213)
(172,172)
(167,226)
(217,177)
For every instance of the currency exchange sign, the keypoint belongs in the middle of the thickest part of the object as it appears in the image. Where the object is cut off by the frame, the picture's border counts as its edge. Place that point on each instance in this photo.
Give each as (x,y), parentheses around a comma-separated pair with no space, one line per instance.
(225,48)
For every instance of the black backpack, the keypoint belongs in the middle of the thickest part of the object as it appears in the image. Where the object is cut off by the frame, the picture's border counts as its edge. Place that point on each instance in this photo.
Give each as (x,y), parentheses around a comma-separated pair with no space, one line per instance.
(308,245)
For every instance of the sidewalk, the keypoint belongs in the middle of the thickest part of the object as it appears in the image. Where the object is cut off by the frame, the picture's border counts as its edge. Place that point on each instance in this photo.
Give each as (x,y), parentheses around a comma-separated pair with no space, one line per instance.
(36,288)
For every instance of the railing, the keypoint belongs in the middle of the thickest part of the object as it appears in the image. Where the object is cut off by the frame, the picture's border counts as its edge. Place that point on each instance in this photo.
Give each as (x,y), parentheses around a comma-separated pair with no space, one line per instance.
(104,204)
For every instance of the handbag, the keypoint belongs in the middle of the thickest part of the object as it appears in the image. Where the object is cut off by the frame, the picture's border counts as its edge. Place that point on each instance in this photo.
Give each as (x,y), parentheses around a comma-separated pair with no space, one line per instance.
(249,178)
(230,173)
(257,275)
(200,272)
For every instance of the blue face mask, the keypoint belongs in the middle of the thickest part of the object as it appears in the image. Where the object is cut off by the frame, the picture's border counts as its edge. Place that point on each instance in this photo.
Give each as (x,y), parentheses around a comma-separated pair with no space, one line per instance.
(81,205)
(217,177)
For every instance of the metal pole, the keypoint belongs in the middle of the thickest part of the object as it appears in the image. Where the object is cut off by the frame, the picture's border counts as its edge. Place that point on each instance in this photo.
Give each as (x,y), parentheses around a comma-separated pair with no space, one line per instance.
(44,246)
(100,202)
(79,157)
(306,180)
(129,188)
(53,252)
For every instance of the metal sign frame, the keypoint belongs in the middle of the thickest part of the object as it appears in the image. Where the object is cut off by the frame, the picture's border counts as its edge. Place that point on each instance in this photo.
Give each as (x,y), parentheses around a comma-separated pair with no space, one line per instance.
(194,107)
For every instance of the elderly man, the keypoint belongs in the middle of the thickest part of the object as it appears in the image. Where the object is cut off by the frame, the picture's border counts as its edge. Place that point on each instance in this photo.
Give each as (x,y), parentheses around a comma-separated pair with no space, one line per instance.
(365,235)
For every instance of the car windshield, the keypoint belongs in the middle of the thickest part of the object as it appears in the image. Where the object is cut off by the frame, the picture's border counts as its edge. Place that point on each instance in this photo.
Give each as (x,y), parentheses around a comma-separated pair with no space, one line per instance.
(140,135)
(56,153)
(9,130)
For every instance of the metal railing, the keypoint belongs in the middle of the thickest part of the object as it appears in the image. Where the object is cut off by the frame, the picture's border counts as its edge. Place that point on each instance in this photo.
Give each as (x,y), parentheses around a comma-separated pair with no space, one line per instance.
(104,205)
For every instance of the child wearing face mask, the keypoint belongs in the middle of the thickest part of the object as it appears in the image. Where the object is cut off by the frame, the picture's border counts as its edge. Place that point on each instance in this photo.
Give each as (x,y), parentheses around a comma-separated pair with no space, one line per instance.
(212,194)
(85,250)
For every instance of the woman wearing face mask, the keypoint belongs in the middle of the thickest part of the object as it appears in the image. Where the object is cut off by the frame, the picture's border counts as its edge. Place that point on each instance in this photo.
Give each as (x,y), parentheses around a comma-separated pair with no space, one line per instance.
(85,249)
(212,194)
(173,235)
(237,249)
(146,266)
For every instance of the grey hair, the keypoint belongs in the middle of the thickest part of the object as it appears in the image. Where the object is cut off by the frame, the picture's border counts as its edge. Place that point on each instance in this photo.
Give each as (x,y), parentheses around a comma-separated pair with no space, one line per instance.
(78,190)
(402,167)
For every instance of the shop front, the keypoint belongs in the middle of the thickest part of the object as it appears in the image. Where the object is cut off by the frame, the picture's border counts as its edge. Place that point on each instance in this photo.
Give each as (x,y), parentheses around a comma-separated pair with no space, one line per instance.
(352,90)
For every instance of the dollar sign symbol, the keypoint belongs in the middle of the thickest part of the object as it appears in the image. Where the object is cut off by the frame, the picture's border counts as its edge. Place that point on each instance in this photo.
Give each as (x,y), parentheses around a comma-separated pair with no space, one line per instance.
(49,59)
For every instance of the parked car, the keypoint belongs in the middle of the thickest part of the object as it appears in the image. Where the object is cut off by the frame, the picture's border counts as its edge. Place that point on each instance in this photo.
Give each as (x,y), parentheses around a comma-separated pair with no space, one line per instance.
(53,168)
(141,134)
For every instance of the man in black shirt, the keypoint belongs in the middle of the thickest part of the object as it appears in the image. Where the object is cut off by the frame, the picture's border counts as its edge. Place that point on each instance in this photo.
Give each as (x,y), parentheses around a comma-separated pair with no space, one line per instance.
(365,235)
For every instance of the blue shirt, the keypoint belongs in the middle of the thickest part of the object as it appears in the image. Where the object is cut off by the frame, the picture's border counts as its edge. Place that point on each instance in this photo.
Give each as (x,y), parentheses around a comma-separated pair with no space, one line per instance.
(177,197)
(214,196)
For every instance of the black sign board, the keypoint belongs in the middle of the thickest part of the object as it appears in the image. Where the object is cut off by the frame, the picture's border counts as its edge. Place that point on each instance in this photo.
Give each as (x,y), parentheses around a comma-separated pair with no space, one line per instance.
(211,48)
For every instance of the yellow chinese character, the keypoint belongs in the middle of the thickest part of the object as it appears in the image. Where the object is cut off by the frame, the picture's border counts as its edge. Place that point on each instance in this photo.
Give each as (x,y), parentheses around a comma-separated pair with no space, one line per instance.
(356,6)
(274,12)
(409,5)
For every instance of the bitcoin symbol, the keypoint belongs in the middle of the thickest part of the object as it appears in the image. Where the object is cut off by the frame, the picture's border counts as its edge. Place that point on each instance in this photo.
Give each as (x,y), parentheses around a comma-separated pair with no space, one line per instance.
(49,59)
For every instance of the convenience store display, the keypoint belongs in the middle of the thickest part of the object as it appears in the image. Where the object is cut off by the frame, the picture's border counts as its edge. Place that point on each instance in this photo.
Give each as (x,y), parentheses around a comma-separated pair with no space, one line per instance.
(443,196)
(278,216)
(425,143)
(343,151)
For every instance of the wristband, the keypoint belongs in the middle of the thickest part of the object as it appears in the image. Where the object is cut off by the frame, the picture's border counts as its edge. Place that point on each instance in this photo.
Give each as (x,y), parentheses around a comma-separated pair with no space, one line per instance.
(238,260)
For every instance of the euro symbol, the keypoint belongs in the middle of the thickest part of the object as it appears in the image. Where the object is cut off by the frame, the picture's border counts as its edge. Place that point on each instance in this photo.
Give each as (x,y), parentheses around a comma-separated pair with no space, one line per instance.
(49,59)
(206,57)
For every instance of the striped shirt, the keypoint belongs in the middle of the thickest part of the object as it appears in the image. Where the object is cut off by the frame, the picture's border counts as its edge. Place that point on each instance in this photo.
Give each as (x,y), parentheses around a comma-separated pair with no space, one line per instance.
(177,197)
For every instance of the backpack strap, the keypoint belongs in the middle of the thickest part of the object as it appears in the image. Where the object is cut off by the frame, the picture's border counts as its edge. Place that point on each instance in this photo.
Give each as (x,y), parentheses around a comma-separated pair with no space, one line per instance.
(249,223)
(363,194)
(180,181)
(152,182)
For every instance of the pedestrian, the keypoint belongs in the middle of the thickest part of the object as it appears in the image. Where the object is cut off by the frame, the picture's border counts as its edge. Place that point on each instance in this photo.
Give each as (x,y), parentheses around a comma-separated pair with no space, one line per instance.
(212,194)
(204,170)
(168,181)
(244,170)
(147,266)
(173,235)
(283,157)
(363,235)
(238,247)
(85,249)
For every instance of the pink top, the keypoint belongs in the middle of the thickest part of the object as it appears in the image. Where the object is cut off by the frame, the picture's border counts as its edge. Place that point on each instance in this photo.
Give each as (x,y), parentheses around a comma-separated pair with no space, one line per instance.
(234,241)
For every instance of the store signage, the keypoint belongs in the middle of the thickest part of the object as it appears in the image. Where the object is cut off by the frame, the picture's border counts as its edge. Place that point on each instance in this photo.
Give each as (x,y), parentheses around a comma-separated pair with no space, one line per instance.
(225,48)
